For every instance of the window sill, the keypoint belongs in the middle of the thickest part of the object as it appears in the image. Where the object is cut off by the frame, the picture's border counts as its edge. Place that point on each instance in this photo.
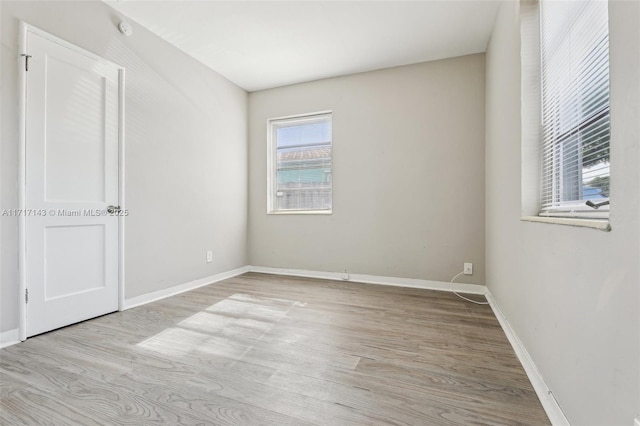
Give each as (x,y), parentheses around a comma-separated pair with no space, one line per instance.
(602,225)
(302,212)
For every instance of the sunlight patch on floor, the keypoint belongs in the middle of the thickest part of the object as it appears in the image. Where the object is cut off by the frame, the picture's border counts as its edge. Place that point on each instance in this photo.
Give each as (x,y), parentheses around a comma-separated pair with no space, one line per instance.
(221,328)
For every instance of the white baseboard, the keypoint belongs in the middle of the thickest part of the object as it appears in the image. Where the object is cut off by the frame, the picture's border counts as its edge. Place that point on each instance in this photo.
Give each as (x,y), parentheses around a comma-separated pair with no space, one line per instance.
(548,401)
(9,337)
(181,288)
(357,278)
(375,279)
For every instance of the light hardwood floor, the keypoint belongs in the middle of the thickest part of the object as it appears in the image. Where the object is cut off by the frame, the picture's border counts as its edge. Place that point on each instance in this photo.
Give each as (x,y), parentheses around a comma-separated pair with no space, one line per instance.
(274,350)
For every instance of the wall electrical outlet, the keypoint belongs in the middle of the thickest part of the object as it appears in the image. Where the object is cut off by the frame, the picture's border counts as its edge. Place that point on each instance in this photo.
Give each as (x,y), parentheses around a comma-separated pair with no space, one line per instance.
(637,422)
(468,269)
(209,256)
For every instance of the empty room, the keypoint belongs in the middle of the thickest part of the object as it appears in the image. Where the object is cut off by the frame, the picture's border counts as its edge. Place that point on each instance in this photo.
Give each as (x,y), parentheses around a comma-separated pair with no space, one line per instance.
(320,212)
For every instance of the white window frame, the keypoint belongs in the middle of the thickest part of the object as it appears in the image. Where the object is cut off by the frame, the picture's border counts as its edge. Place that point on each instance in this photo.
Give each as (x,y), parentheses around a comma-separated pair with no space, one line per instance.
(272,161)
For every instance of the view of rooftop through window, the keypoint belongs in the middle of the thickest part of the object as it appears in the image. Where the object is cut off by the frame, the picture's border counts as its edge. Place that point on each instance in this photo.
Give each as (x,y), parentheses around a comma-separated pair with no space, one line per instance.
(303,163)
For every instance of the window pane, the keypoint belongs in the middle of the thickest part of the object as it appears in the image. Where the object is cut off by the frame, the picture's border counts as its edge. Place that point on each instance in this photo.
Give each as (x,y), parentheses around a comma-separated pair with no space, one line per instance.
(575,102)
(303,164)
(304,134)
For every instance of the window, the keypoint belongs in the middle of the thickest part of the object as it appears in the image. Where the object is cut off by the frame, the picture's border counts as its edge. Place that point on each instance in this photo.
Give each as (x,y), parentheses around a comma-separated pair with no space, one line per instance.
(574,61)
(299,174)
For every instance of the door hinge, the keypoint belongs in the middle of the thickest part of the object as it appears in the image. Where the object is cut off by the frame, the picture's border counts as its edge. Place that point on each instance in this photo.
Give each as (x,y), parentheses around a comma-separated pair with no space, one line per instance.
(26,295)
(26,61)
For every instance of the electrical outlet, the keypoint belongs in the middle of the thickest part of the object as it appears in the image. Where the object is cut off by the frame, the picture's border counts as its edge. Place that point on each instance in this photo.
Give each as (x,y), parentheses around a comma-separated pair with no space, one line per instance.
(345,276)
(468,269)
(637,422)
(209,256)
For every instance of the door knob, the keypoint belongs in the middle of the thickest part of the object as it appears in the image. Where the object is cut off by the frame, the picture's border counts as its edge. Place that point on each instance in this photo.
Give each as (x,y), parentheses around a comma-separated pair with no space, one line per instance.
(113,209)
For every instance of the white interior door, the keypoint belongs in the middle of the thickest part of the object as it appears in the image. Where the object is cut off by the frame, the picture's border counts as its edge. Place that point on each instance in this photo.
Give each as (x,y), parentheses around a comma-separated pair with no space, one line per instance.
(71,177)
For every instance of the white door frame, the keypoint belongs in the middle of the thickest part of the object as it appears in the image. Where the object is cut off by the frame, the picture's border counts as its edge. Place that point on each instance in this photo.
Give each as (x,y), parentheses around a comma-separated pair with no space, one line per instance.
(22,87)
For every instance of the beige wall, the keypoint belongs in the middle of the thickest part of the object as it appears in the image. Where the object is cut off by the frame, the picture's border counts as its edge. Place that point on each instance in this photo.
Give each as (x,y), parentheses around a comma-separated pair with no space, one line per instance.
(185,156)
(571,294)
(408,174)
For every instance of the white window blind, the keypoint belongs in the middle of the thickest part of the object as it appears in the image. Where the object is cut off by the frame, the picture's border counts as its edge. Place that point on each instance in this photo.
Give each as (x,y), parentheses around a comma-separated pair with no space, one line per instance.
(300,164)
(574,46)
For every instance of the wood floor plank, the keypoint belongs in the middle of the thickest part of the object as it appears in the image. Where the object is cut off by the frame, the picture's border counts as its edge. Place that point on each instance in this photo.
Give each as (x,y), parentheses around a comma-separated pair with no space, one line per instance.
(274,350)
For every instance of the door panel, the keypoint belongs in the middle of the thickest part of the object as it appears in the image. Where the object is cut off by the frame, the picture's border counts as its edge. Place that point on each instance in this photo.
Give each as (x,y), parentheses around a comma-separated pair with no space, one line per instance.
(75,107)
(80,267)
(71,152)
